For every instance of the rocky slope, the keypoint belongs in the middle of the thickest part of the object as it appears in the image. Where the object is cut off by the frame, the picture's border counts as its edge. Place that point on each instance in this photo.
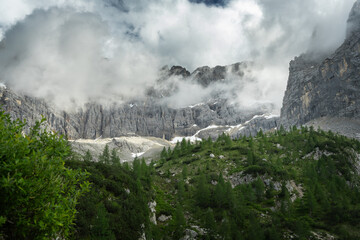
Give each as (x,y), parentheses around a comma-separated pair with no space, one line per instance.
(127,147)
(326,86)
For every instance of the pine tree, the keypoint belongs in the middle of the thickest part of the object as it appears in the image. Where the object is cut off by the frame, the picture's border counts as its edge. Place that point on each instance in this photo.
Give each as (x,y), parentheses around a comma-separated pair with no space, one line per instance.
(189,146)
(183,146)
(179,222)
(259,189)
(137,168)
(105,156)
(250,158)
(87,157)
(101,226)
(255,230)
(163,155)
(180,191)
(202,192)
(225,227)
(219,195)
(184,172)
(209,221)
(169,152)
(228,141)
(115,160)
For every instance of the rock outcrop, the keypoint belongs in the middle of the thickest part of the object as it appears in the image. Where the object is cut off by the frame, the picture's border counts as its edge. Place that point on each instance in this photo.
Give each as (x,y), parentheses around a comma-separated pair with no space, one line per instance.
(326,87)
(206,75)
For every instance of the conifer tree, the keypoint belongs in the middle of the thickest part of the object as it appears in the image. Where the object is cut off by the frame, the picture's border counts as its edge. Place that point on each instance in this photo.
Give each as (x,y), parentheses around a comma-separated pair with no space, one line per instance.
(163,155)
(202,192)
(179,222)
(250,157)
(169,152)
(180,190)
(101,227)
(259,189)
(115,159)
(184,172)
(210,223)
(105,156)
(228,141)
(183,146)
(219,195)
(87,157)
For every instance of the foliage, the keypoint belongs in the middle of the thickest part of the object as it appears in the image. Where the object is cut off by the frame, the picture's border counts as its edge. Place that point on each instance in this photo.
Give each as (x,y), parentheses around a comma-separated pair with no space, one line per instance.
(38,193)
(105,156)
(321,166)
(116,207)
(278,185)
(114,158)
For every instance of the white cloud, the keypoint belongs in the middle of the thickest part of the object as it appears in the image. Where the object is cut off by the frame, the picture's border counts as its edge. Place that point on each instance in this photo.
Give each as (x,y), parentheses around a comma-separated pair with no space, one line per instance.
(102,49)
(59,54)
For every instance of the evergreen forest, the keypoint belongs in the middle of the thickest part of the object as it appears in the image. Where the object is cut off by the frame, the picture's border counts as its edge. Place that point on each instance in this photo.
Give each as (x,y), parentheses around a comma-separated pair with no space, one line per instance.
(299,183)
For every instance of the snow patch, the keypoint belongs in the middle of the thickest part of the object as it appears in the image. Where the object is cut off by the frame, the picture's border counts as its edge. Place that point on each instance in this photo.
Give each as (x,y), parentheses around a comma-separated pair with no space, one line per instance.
(196,105)
(266,116)
(238,127)
(192,139)
(2,85)
(254,117)
(135,155)
(269,116)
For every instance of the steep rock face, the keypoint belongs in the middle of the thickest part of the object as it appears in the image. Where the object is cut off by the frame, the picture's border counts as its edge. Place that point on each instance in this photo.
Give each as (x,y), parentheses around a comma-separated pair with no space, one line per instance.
(327,87)
(150,116)
(136,118)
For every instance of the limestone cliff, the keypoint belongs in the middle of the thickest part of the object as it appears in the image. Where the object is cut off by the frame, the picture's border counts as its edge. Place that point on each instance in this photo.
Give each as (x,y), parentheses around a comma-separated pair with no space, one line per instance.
(326,87)
(149,117)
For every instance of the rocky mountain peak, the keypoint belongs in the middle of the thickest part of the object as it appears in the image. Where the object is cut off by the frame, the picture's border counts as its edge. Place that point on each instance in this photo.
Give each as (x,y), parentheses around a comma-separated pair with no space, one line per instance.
(179,71)
(353,22)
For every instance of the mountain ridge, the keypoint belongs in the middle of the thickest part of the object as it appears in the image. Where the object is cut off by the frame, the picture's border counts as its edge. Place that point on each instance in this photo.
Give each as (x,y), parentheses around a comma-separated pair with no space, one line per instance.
(143,117)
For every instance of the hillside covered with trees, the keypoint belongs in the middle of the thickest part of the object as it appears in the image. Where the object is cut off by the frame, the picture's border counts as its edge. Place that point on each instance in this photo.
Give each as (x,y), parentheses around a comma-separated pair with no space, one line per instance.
(296,184)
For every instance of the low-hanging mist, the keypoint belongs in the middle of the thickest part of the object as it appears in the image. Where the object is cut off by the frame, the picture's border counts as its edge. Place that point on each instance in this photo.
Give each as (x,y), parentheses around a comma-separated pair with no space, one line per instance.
(107,50)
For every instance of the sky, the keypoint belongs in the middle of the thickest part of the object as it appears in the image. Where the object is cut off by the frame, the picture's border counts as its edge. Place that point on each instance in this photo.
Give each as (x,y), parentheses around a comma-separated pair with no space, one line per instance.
(71,52)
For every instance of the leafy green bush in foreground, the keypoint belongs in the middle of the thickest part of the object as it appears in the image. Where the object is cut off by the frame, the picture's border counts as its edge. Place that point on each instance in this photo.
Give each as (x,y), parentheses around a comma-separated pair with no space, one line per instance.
(38,193)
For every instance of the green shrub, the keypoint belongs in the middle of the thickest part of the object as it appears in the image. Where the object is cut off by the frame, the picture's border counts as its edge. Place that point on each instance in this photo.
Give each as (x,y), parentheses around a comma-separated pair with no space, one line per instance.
(38,193)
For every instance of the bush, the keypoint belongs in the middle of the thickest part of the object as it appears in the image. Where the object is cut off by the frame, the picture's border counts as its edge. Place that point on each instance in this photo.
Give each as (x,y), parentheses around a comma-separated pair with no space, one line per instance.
(38,193)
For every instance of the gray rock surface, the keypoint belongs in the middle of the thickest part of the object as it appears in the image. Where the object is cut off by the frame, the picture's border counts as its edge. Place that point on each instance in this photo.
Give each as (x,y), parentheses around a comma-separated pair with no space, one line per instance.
(164,218)
(149,117)
(353,22)
(349,127)
(190,235)
(326,87)
(126,147)
(206,75)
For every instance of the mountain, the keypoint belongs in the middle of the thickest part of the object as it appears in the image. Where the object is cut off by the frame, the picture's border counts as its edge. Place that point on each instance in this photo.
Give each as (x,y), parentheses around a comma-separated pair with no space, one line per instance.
(151,116)
(239,182)
(322,91)
(131,127)
(325,91)
(297,184)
